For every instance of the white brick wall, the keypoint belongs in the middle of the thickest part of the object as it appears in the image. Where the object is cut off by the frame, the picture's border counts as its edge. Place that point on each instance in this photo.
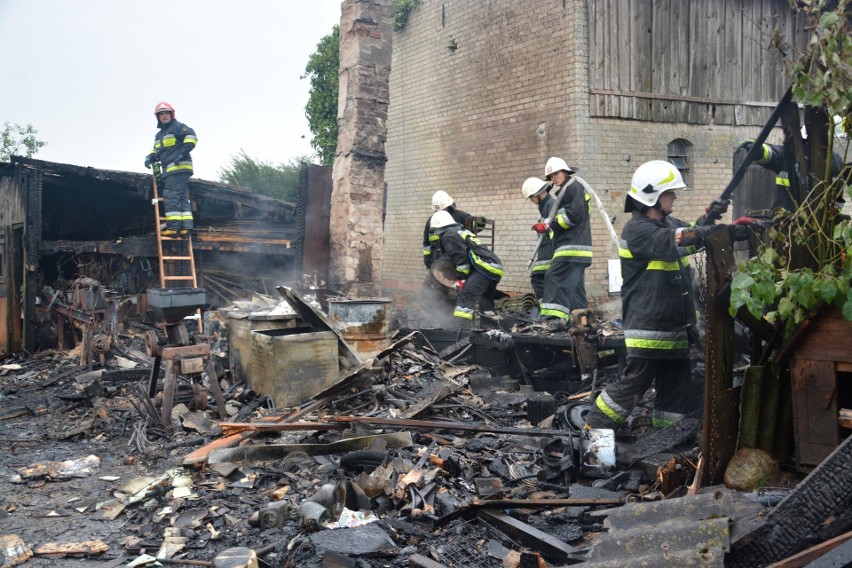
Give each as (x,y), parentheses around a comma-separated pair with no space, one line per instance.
(478,120)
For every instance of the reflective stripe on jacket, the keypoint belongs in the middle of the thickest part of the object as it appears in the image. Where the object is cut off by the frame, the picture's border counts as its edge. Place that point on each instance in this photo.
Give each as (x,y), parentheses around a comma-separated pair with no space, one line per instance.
(571,227)
(172,146)
(468,253)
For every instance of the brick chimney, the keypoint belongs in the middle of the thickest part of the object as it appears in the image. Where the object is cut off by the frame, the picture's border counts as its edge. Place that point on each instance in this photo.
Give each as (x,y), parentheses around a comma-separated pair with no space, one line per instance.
(357,200)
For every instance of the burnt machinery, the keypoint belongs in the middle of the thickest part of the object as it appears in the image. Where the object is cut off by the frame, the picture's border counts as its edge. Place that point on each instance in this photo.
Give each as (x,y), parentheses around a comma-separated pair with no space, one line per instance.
(171,306)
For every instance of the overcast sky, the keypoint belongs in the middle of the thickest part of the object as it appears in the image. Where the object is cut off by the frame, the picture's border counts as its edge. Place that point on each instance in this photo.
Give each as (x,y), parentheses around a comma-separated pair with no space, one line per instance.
(87,75)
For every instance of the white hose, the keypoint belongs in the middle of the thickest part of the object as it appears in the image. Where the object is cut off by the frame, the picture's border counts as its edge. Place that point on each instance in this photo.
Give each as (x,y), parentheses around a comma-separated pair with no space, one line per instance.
(602,211)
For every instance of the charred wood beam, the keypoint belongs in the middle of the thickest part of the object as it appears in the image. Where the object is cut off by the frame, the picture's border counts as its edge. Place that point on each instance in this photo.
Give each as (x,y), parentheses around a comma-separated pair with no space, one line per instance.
(340,422)
(472,509)
(131,246)
(817,502)
(550,547)
(721,401)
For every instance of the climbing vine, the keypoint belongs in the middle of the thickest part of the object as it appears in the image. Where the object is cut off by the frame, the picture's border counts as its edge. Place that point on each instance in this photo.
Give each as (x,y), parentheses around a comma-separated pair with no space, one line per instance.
(403,9)
(807,259)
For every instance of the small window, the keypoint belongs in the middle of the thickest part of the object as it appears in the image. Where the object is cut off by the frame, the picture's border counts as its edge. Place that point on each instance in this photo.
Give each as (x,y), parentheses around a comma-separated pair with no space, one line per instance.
(679,156)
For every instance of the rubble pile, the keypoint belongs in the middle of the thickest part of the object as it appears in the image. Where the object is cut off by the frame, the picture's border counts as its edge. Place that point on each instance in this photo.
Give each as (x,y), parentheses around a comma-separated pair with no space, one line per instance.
(408,460)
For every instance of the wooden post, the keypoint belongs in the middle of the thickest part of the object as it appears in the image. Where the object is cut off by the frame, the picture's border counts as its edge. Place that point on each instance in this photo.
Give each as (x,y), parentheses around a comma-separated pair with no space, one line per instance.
(721,399)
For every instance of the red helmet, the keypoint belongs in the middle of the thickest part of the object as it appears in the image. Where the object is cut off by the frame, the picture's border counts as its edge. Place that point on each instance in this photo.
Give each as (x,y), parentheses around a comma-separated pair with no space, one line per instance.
(164,106)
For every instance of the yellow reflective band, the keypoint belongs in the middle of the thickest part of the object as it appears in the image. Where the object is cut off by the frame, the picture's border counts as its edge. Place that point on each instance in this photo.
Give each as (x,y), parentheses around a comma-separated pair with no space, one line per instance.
(541,268)
(186,217)
(492,269)
(175,217)
(782,181)
(582,253)
(610,413)
(662,265)
(667,179)
(624,253)
(656,343)
(169,142)
(434,238)
(427,252)
(463,314)
(179,167)
(766,152)
(563,222)
(190,140)
(589,203)
(661,422)
(554,313)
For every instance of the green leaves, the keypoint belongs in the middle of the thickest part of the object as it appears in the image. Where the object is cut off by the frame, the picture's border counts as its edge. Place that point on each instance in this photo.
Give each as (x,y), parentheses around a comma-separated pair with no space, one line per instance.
(321,111)
(17,140)
(280,182)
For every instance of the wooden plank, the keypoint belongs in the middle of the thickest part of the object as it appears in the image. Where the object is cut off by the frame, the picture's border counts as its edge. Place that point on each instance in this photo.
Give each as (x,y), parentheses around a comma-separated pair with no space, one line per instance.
(730,39)
(640,41)
(622,40)
(698,71)
(808,555)
(814,410)
(549,546)
(679,70)
(828,339)
(661,58)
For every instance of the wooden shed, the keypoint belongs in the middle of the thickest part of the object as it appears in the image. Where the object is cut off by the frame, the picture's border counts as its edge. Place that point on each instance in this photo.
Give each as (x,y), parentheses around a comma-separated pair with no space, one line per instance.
(821,372)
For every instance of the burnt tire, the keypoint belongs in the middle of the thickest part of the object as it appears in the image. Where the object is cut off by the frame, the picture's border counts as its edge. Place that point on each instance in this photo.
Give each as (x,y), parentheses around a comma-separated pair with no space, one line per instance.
(362,461)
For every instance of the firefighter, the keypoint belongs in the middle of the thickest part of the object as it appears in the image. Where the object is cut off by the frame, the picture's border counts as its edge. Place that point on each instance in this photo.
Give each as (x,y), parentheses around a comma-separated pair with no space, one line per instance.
(441,201)
(536,190)
(772,158)
(172,146)
(478,269)
(658,312)
(564,280)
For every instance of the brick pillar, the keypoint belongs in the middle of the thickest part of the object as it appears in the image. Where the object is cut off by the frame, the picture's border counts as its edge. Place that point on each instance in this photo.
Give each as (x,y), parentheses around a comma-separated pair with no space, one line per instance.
(357,200)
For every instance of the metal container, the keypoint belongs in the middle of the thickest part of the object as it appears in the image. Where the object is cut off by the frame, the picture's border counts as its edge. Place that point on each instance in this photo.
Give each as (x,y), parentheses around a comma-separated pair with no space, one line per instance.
(293,365)
(173,304)
(364,324)
(240,342)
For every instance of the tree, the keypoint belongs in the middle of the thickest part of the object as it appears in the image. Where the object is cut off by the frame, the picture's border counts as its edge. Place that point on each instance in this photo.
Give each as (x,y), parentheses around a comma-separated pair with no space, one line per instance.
(16,140)
(280,182)
(322,69)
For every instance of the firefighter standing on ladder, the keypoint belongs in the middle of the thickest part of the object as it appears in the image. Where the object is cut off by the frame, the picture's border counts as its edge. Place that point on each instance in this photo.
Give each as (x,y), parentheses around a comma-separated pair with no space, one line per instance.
(172,145)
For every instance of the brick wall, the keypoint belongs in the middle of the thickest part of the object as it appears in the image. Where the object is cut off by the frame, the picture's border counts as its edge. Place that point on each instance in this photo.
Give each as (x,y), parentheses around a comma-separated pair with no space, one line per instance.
(482,93)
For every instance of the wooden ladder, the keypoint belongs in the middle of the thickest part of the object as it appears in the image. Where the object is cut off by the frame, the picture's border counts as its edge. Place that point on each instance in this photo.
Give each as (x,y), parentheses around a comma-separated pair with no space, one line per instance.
(170,262)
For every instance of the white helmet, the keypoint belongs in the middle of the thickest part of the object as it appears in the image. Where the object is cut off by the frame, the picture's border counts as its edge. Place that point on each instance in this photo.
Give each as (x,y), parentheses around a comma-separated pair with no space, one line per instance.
(554,165)
(649,182)
(441,200)
(532,186)
(441,219)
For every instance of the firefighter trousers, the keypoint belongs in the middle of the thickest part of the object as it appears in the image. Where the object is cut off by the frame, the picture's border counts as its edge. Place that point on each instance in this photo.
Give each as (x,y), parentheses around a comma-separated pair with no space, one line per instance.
(176,201)
(564,289)
(674,400)
(477,289)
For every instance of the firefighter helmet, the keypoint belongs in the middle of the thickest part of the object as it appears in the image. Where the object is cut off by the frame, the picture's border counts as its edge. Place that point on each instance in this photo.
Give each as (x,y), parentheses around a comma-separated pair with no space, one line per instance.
(650,181)
(554,165)
(163,106)
(532,186)
(441,200)
(441,219)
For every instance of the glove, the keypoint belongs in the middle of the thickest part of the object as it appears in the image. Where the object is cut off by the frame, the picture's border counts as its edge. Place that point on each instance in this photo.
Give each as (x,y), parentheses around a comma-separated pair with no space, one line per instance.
(744,221)
(149,160)
(717,207)
(541,228)
(745,145)
(459,284)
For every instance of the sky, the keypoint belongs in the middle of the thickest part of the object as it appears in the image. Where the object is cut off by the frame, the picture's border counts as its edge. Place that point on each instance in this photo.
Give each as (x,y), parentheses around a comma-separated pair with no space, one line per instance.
(88,74)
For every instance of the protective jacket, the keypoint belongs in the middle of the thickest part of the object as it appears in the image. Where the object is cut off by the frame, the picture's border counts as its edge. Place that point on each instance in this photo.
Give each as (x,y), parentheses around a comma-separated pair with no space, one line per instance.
(571,227)
(656,305)
(773,159)
(172,146)
(432,240)
(468,253)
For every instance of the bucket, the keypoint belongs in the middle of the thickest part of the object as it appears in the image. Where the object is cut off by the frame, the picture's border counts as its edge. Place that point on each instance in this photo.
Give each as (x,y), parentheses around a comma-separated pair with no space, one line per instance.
(364,324)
